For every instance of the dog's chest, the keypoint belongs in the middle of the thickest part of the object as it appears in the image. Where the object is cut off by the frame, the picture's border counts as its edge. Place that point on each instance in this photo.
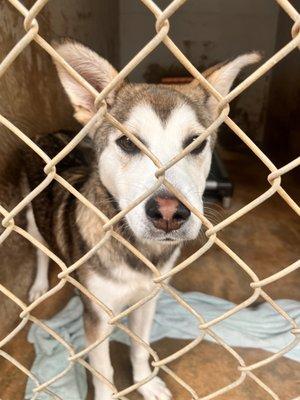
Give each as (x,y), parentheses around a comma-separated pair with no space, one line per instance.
(125,285)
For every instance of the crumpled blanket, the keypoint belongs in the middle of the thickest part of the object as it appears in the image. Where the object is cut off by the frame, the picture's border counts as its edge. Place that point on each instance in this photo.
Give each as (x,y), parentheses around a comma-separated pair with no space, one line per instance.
(259,327)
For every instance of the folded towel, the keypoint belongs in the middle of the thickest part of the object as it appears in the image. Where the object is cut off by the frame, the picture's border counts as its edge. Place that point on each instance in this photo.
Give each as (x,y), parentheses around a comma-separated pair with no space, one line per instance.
(259,327)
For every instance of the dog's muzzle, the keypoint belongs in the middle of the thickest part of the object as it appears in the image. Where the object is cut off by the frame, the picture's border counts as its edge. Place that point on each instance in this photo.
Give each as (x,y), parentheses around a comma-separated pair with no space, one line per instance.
(166,212)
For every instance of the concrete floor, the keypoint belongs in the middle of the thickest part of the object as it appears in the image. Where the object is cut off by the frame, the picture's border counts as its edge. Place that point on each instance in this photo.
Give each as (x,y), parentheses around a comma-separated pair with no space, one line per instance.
(267,239)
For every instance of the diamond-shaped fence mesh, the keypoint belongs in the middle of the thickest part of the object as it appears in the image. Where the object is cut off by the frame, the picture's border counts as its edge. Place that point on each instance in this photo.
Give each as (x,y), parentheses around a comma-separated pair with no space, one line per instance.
(160,280)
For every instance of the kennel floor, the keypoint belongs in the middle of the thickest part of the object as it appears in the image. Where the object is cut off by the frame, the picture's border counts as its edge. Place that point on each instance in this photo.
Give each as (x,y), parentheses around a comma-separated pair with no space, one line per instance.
(266,239)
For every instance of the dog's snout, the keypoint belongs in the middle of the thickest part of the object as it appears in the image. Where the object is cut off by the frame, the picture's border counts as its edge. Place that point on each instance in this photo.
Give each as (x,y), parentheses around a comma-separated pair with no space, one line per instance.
(166,212)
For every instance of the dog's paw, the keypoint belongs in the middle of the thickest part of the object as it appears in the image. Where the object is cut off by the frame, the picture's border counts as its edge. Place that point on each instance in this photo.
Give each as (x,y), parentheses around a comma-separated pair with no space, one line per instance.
(155,389)
(37,290)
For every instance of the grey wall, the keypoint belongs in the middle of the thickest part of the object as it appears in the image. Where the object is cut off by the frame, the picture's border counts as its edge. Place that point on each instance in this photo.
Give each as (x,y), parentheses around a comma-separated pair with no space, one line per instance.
(282,139)
(30,94)
(207,32)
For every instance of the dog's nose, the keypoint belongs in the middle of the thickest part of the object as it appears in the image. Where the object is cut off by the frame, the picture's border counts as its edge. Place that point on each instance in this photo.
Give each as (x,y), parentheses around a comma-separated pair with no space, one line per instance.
(166,212)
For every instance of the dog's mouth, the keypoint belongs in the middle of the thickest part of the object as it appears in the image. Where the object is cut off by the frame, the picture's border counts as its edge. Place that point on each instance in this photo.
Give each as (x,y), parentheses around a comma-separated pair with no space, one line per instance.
(174,237)
(168,240)
(163,241)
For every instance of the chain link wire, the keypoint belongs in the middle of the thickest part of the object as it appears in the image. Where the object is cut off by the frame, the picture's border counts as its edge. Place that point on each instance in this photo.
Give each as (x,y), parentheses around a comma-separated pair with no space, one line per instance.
(162,27)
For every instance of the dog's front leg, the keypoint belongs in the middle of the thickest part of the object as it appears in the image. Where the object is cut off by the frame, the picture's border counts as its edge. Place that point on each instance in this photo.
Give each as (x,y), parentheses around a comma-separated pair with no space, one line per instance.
(97,327)
(41,283)
(140,322)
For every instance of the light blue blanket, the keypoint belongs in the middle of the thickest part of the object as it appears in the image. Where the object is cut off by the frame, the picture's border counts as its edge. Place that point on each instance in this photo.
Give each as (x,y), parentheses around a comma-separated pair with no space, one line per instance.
(259,327)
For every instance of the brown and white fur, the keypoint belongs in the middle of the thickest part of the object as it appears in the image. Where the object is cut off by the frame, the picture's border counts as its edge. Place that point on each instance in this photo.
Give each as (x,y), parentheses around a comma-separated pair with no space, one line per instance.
(112,173)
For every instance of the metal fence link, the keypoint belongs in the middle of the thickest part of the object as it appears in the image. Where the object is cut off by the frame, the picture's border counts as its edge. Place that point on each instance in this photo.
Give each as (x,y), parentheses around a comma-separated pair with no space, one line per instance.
(162,26)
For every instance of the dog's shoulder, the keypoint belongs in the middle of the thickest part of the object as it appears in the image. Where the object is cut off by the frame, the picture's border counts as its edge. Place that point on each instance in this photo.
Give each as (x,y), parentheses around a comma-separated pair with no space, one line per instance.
(54,208)
(51,144)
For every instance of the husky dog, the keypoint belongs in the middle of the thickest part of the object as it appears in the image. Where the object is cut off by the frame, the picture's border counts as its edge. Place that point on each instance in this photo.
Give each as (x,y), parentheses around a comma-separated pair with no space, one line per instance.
(111,172)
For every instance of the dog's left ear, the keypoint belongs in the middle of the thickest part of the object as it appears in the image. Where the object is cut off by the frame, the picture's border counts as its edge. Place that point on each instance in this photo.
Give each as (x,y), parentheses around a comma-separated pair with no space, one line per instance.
(223,75)
(93,68)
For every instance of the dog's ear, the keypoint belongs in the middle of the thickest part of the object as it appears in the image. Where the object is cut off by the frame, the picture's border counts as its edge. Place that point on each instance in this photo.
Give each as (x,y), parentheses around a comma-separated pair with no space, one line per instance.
(93,68)
(222,76)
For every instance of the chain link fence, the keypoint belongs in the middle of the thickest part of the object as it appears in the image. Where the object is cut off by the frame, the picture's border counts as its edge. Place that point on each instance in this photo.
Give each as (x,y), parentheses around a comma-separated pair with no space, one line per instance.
(162,27)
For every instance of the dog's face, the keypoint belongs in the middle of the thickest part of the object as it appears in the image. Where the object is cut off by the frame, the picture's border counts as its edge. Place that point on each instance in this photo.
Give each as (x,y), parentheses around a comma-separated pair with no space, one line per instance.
(165,128)
(166,120)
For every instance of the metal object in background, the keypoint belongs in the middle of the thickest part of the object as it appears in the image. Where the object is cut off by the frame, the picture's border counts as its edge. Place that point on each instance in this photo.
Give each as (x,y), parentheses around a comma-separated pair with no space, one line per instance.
(218,185)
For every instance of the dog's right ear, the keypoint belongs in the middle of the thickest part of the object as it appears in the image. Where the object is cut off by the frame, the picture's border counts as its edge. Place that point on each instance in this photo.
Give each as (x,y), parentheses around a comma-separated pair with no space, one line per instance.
(93,68)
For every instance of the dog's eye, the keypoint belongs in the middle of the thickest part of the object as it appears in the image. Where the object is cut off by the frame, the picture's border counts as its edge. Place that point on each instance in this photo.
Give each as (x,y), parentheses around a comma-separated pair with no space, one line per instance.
(127,145)
(199,148)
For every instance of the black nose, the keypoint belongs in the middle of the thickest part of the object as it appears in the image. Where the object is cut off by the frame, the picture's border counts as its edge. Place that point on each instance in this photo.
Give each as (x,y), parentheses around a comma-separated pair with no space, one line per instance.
(166,212)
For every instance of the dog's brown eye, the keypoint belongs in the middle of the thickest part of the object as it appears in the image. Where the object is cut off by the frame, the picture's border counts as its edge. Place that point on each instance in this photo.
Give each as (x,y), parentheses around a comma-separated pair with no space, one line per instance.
(199,148)
(127,145)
